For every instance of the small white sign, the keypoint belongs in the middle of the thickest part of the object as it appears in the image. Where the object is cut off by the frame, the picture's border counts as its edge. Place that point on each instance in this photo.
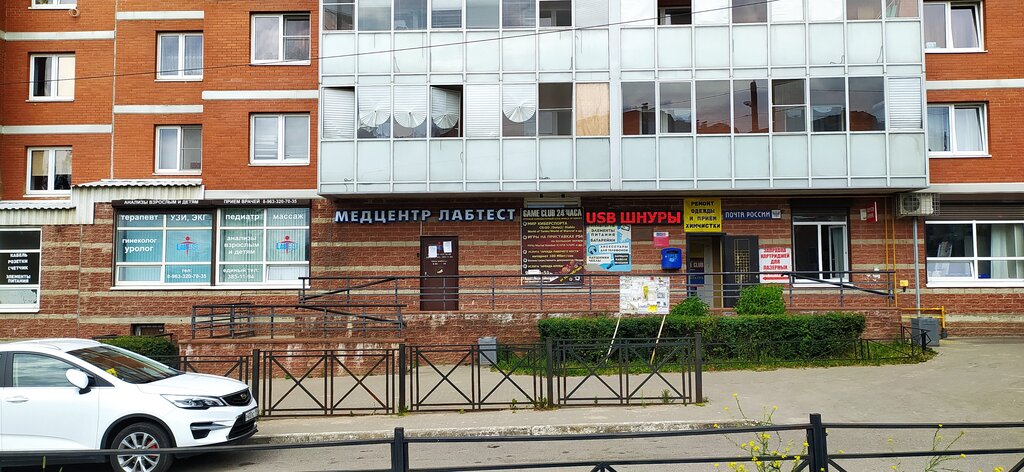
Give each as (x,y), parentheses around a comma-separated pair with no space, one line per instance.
(431,251)
(447,247)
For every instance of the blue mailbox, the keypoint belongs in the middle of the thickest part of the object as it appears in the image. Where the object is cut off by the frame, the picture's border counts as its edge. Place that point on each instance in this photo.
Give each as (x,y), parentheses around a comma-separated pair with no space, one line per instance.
(671,258)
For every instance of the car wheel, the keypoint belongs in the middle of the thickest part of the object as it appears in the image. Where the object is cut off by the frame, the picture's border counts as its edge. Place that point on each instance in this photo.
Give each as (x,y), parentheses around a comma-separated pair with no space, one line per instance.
(141,436)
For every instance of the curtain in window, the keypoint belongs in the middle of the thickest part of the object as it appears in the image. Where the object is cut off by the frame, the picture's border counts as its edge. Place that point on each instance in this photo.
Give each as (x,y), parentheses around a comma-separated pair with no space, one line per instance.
(168,144)
(265,138)
(1007,241)
(40,170)
(445,107)
(410,106)
(374,110)
(169,55)
(968,129)
(965,27)
(193,55)
(268,37)
(66,76)
(296,137)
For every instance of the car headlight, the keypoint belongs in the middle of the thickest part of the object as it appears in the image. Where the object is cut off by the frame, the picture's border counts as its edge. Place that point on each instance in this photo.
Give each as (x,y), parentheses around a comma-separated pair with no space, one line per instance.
(194,402)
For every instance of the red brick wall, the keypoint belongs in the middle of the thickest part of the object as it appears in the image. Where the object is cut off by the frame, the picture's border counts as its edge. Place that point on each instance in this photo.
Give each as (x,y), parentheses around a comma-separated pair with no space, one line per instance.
(1004,142)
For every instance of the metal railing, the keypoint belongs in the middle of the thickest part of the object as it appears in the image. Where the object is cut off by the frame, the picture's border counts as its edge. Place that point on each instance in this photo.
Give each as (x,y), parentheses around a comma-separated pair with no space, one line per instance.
(241,320)
(817,454)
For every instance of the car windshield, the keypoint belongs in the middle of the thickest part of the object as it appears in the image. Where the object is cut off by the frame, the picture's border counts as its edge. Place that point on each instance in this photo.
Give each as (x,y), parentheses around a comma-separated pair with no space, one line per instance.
(125,365)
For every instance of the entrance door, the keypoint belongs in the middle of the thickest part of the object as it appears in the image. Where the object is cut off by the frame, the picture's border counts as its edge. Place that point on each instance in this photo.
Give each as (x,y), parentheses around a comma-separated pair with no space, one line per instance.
(739,255)
(702,261)
(439,257)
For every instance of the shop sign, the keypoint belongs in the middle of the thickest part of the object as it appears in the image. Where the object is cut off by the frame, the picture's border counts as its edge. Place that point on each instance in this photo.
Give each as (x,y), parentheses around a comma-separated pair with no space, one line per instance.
(192,203)
(19,268)
(644,295)
(401,216)
(752,214)
(870,213)
(609,248)
(703,215)
(553,245)
(661,239)
(778,260)
(634,217)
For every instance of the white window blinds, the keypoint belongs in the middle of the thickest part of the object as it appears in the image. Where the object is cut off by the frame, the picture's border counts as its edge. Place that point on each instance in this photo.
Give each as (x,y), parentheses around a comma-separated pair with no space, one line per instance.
(374,106)
(905,103)
(482,111)
(339,113)
(519,102)
(410,106)
(445,107)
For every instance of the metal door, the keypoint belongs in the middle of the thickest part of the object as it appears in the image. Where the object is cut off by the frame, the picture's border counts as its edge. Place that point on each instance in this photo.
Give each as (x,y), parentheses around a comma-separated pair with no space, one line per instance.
(740,264)
(439,268)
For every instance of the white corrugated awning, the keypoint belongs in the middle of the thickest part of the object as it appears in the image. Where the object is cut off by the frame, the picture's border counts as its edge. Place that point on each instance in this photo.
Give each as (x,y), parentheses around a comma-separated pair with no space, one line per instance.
(142,183)
(36,205)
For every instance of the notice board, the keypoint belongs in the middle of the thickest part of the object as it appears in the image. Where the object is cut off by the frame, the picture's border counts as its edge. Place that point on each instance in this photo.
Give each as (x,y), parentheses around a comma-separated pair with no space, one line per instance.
(553,243)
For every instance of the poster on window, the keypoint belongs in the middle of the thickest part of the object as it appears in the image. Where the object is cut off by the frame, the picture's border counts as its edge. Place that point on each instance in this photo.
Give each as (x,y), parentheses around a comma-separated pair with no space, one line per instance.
(609,248)
(644,295)
(775,261)
(553,245)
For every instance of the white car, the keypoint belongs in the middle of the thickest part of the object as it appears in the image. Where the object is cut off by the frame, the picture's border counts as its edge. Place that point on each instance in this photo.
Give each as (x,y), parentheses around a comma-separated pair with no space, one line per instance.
(70,394)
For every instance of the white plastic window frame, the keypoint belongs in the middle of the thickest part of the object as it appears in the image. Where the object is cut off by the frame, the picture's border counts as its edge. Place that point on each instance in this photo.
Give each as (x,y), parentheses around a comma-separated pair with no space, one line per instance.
(218,252)
(280,60)
(180,74)
(51,171)
(281,135)
(37,287)
(56,5)
(179,150)
(974,260)
(979,25)
(54,78)
(950,115)
(820,224)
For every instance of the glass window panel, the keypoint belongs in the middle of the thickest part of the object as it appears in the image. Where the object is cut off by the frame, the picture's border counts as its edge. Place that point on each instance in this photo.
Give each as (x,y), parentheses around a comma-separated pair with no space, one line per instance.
(189,220)
(265,138)
(950,268)
(863,9)
(296,138)
(712,97)
(374,15)
(676,110)
(805,248)
(555,109)
(555,13)
(638,109)
(828,104)
(938,129)
(140,245)
(41,74)
(592,110)
(66,76)
(518,13)
(339,17)
(241,273)
(446,14)
(241,217)
(20,239)
(949,240)
(296,49)
(446,111)
(192,146)
(296,26)
(40,170)
(135,220)
(169,55)
(193,55)
(19,296)
(968,129)
(193,245)
(288,217)
(750,106)
(901,8)
(268,37)
(139,273)
(287,272)
(825,10)
(789,108)
(1000,240)
(934,25)
(287,244)
(241,245)
(168,148)
(1000,269)
(410,14)
(964,22)
(750,11)
(33,370)
(482,14)
(867,104)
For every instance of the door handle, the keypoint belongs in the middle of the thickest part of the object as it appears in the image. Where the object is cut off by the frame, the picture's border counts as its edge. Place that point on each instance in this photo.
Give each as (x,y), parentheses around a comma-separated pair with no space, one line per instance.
(17,399)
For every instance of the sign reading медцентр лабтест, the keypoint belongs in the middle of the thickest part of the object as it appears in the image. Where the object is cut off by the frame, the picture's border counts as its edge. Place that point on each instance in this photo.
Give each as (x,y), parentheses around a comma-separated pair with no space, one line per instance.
(401,216)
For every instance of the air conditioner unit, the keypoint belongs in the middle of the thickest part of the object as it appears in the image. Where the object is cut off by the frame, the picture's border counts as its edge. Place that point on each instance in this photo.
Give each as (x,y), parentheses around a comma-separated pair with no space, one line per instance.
(918,204)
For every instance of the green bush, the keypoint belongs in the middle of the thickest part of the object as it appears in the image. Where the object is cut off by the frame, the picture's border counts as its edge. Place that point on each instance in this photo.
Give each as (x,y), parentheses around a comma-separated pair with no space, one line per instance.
(761,300)
(161,349)
(692,306)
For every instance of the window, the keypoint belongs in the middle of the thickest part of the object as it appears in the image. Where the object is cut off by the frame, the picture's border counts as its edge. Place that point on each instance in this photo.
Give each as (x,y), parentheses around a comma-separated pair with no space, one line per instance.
(975,250)
(555,13)
(20,250)
(901,8)
(411,14)
(820,243)
(446,111)
(180,56)
(374,15)
(280,139)
(957,130)
(952,26)
(518,110)
(750,11)
(54,3)
(750,105)
(339,15)
(36,370)
(828,104)
(158,248)
(518,13)
(374,112)
(179,149)
(554,116)
(676,110)
(410,111)
(338,111)
(593,112)
(712,99)
(789,106)
(482,14)
(263,245)
(446,14)
(675,12)
(280,38)
(53,77)
(867,104)
(49,170)
(639,109)
(863,9)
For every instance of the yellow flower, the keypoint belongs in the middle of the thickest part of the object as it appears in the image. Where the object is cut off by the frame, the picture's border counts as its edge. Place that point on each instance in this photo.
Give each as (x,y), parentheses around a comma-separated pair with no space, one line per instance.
(735,395)
(963,456)
(842,451)
(806,444)
(714,425)
(774,408)
(796,458)
(725,408)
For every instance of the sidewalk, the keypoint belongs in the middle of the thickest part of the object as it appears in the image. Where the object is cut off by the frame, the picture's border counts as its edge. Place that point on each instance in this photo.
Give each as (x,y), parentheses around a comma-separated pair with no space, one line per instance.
(970,380)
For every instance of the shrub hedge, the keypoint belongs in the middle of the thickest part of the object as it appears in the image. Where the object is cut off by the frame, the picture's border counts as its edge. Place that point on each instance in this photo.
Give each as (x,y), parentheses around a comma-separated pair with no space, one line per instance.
(161,349)
(692,306)
(761,300)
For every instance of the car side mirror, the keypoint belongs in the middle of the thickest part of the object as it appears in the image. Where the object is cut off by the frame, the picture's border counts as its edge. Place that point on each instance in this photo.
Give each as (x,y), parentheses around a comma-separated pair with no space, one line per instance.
(78,379)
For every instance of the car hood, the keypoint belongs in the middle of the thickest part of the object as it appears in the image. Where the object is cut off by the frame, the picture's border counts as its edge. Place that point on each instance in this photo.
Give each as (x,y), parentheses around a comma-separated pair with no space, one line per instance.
(194,384)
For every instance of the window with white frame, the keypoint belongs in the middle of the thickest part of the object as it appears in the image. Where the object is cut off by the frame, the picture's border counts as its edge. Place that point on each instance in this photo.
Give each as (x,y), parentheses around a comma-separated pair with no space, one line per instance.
(820,244)
(179,56)
(54,3)
(53,77)
(957,130)
(263,245)
(280,38)
(279,139)
(20,252)
(975,250)
(49,170)
(952,26)
(339,15)
(179,149)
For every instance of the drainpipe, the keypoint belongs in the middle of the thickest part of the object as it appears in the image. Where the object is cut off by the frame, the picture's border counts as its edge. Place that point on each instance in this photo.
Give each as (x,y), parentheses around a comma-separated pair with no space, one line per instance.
(917,272)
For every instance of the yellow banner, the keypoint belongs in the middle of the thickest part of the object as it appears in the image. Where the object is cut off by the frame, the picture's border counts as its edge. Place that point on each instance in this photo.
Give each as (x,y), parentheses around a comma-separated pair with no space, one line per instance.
(702,215)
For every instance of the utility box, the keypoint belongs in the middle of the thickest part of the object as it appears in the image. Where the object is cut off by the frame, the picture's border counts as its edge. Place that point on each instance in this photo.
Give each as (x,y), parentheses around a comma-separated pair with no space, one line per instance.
(671,258)
(488,350)
(927,325)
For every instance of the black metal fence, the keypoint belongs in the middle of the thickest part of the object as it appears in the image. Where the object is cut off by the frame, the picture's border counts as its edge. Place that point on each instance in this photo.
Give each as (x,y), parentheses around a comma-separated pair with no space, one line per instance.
(312,320)
(816,455)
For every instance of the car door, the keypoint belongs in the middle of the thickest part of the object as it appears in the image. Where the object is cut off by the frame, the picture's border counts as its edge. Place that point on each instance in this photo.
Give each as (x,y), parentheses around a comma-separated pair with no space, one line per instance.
(41,410)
